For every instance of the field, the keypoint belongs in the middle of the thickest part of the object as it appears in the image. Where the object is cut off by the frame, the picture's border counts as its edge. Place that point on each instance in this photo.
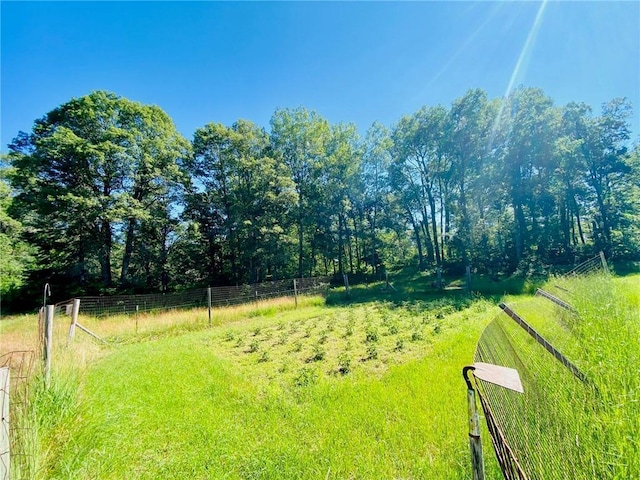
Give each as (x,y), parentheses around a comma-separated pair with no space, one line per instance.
(366,387)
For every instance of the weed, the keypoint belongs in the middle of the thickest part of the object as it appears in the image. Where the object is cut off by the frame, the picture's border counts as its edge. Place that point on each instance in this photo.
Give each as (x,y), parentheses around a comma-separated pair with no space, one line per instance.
(229,336)
(393,329)
(284,367)
(348,330)
(323,337)
(295,326)
(264,357)
(436,328)
(297,346)
(372,352)
(256,331)
(399,345)
(416,336)
(282,338)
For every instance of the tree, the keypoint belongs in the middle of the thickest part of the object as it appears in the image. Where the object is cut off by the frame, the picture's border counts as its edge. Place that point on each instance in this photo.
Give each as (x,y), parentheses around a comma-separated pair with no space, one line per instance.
(375,185)
(242,200)
(16,256)
(300,138)
(419,146)
(88,173)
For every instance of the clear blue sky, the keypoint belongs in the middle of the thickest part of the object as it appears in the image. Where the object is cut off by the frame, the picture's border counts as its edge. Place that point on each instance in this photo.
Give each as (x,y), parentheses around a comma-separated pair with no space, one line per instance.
(352,62)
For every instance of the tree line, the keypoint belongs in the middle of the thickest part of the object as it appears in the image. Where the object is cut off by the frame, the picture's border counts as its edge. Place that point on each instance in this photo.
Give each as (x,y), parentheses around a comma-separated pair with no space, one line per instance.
(104,195)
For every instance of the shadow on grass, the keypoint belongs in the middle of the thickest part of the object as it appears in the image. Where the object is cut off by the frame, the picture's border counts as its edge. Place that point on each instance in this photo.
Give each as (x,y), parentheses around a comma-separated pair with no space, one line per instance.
(411,286)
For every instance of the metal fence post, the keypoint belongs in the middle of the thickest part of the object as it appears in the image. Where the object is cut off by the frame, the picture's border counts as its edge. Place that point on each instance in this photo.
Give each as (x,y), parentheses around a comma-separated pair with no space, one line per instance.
(48,343)
(209,303)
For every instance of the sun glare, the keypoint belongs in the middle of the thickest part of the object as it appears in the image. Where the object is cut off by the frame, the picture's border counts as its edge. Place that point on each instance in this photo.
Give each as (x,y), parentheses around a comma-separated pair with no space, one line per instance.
(523,58)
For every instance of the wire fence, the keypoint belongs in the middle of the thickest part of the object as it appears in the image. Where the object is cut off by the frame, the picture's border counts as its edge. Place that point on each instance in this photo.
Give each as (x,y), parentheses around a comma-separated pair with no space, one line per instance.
(15,458)
(593,265)
(546,431)
(101,306)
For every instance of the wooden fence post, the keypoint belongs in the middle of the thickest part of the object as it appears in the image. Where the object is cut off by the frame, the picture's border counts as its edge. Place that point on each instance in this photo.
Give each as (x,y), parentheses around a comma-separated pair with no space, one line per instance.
(604,262)
(209,303)
(346,284)
(5,444)
(468,278)
(48,342)
(75,310)
(295,291)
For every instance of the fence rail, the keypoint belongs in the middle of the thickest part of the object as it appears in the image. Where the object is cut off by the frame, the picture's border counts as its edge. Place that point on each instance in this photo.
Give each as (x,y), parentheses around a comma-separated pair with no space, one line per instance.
(538,434)
(99,306)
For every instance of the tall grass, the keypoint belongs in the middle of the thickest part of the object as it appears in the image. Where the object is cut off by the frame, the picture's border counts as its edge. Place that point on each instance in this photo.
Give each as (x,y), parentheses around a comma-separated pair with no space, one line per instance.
(562,426)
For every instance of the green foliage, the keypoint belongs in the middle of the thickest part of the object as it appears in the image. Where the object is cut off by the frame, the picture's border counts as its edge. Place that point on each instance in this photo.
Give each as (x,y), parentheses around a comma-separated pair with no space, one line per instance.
(107,196)
(16,255)
(91,168)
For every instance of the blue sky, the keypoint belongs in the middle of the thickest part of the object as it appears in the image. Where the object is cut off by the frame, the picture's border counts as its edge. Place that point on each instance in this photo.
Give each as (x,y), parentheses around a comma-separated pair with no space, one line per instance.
(352,62)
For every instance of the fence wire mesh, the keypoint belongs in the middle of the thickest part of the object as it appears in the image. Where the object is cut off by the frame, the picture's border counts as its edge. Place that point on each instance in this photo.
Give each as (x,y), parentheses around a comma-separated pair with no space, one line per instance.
(99,306)
(541,433)
(595,264)
(20,365)
(547,432)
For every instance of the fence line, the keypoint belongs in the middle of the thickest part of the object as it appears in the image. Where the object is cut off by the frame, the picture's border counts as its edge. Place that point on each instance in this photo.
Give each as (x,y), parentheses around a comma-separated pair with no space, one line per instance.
(538,434)
(198,298)
(594,264)
(14,459)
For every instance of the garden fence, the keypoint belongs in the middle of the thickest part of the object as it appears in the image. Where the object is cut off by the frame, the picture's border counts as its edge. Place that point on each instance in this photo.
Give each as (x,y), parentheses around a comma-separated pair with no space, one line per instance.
(99,306)
(543,432)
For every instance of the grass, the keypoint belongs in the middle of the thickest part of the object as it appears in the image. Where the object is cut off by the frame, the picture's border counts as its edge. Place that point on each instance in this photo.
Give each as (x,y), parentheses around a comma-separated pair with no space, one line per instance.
(219,412)
(580,430)
(367,387)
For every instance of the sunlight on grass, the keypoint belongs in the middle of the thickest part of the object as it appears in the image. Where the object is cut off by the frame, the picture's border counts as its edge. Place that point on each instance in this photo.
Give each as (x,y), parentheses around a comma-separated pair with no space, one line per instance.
(350,390)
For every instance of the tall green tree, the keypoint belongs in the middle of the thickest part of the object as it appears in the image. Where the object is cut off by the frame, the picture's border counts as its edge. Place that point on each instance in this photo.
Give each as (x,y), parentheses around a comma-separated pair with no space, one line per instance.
(374,176)
(16,256)
(242,200)
(87,174)
(300,137)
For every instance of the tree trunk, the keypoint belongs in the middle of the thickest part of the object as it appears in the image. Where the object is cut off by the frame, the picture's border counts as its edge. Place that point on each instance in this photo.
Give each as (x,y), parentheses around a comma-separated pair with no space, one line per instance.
(128,251)
(416,231)
(300,240)
(520,227)
(105,257)
(434,227)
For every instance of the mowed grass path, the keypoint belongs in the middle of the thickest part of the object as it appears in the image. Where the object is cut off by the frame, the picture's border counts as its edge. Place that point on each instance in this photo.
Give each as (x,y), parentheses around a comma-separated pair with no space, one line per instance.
(361,392)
